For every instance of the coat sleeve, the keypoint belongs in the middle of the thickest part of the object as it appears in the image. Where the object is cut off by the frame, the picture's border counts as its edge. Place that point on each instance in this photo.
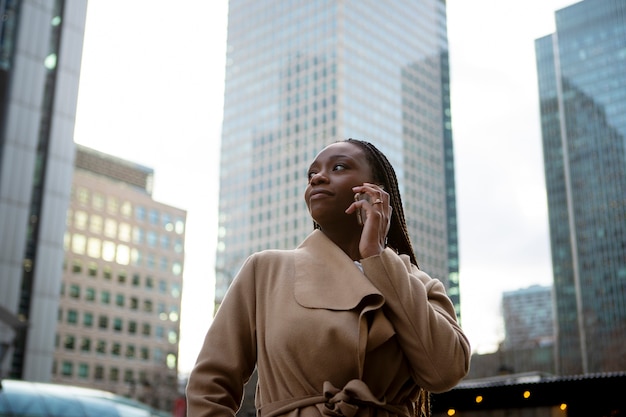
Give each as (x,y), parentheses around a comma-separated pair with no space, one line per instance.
(228,356)
(425,321)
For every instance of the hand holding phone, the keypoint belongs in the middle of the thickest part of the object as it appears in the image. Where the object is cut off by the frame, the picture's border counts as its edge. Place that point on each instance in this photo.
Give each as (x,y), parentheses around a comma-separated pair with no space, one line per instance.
(361,214)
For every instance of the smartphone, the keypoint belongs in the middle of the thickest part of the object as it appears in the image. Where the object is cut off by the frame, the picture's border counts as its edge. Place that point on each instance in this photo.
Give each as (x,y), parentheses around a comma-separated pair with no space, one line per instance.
(361,214)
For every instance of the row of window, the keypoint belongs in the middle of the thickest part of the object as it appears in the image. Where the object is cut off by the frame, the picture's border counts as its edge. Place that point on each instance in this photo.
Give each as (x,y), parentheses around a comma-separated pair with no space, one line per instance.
(101,373)
(117,324)
(123,231)
(134,304)
(113,206)
(121,254)
(135,280)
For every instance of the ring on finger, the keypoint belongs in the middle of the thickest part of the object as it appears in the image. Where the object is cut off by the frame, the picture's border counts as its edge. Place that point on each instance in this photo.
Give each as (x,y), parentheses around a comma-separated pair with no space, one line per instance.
(377,201)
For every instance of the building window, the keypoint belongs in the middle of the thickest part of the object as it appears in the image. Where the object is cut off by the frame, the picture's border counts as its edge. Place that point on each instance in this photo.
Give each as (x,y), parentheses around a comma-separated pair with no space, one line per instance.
(69,342)
(140,213)
(136,280)
(113,205)
(175,290)
(114,374)
(121,277)
(123,255)
(132,327)
(101,347)
(124,232)
(165,241)
(83,370)
(94,247)
(117,324)
(154,217)
(119,300)
(152,239)
(134,303)
(80,220)
(107,273)
(77,266)
(98,373)
(164,263)
(105,297)
(162,286)
(74,291)
(147,306)
(72,316)
(110,228)
(82,195)
(79,243)
(149,282)
(108,251)
(145,353)
(116,349)
(67,369)
(87,319)
(103,322)
(177,268)
(93,268)
(138,235)
(146,329)
(85,345)
(90,294)
(126,209)
(95,224)
(97,201)
(130,351)
(129,376)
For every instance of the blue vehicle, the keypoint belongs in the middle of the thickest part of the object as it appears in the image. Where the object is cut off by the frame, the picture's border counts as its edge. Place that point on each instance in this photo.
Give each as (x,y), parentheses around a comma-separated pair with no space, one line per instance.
(34,399)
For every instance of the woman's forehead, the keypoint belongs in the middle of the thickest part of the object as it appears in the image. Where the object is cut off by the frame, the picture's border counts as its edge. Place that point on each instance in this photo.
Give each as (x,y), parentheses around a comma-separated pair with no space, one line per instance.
(340,148)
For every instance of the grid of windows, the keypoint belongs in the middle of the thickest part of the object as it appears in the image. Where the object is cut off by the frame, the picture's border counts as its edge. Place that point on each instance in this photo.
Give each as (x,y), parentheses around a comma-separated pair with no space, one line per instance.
(124,257)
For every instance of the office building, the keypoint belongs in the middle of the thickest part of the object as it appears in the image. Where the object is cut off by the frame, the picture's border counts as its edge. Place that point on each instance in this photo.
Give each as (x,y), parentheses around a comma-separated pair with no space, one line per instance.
(582,89)
(40,55)
(302,74)
(119,317)
(528,318)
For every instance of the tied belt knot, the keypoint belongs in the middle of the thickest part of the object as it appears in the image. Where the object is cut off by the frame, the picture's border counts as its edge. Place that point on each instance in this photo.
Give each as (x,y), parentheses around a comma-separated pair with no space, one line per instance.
(354,395)
(355,399)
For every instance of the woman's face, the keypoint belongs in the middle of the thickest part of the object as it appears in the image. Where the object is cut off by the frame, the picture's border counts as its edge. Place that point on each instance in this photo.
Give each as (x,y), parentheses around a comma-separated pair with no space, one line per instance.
(336,169)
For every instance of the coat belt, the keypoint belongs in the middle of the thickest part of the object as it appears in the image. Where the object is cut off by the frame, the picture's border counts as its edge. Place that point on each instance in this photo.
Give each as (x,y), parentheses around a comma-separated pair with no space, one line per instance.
(335,402)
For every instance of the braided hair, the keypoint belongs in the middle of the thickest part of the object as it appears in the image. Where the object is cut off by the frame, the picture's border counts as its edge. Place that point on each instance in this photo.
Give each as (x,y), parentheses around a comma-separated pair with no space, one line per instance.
(398,235)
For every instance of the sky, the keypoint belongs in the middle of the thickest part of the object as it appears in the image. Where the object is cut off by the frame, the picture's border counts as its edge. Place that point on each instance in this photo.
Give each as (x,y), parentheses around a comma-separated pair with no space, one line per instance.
(151,91)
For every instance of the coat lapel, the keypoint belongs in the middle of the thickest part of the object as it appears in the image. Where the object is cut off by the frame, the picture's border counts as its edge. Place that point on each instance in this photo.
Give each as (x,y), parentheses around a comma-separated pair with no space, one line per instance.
(327,278)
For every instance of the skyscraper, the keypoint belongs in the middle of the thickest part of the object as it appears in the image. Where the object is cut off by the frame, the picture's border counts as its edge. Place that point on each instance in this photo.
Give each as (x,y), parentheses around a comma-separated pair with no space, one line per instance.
(301,74)
(582,88)
(40,55)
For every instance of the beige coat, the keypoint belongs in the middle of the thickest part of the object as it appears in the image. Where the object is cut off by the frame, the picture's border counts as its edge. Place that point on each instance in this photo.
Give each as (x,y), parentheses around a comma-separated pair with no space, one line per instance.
(326,336)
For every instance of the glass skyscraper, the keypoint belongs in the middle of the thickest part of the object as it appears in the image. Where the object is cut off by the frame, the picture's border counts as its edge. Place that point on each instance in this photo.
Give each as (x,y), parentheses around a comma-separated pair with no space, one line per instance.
(582,89)
(301,74)
(41,44)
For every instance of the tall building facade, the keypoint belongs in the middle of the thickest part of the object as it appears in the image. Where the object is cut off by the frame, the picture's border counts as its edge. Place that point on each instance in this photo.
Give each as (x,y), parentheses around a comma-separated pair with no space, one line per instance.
(119,317)
(40,55)
(528,318)
(582,89)
(302,74)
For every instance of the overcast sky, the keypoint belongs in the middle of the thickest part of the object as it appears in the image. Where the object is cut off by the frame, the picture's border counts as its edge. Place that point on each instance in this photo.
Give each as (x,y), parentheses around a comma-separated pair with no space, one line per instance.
(151,91)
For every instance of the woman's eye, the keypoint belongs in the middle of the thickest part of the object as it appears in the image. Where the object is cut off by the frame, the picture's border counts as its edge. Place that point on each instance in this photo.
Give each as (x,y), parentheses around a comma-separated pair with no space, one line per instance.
(339,167)
(310,174)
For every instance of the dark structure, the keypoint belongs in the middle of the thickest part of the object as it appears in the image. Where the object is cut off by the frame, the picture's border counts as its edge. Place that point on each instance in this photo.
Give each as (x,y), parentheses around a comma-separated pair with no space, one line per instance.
(537,395)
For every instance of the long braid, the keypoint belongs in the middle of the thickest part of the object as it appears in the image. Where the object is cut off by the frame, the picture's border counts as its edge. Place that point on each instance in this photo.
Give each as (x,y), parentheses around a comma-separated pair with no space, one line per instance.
(398,236)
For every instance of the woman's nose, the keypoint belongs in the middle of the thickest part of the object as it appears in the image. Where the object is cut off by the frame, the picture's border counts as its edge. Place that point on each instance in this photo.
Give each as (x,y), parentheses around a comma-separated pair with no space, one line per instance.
(318,178)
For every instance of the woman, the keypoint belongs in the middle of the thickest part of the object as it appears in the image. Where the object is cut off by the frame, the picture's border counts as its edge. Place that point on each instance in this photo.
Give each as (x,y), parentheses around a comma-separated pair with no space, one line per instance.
(344,325)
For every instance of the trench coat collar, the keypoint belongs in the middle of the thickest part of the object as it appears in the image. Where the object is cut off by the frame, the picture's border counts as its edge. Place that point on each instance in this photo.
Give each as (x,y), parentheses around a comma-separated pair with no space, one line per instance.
(325,277)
